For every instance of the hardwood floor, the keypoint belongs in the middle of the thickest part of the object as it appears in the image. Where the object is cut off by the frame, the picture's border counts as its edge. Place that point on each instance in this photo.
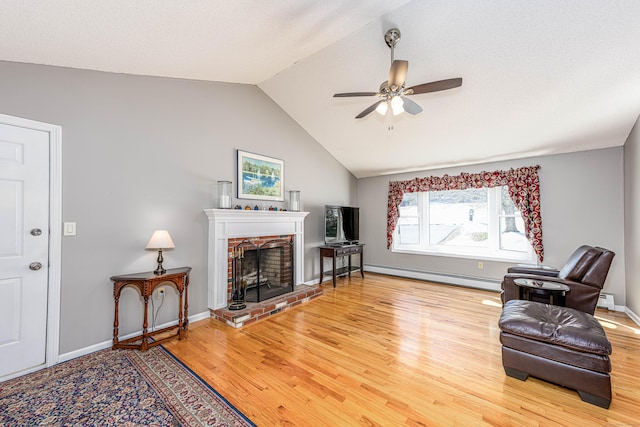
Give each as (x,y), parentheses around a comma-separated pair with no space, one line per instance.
(387,351)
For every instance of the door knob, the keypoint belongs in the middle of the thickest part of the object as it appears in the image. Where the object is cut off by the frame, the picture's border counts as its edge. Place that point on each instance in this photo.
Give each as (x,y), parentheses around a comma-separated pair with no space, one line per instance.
(35,266)
(36,232)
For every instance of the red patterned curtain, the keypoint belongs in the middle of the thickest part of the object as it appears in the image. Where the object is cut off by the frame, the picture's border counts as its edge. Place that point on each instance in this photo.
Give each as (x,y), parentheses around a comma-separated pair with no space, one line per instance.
(523,185)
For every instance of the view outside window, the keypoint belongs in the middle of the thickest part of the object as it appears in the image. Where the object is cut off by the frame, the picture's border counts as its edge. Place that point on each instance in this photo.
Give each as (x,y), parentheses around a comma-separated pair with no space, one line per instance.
(458,217)
(409,222)
(512,237)
(479,222)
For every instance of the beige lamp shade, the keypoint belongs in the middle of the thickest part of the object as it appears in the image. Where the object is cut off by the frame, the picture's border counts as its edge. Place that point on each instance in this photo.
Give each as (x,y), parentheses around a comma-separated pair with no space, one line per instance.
(160,240)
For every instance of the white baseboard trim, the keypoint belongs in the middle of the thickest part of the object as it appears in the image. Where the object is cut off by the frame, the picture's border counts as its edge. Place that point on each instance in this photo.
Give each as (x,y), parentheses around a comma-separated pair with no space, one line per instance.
(450,279)
(633,316)
(107,344)
(201,316)
(621,308)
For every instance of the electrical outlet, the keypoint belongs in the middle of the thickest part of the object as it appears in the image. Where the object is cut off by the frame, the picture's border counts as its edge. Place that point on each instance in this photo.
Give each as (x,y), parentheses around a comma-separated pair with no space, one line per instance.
(480,265)
(161,293)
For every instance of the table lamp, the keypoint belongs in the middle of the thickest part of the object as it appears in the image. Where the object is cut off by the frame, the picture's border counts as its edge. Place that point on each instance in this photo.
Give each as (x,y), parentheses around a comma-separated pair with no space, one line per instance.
(160,240)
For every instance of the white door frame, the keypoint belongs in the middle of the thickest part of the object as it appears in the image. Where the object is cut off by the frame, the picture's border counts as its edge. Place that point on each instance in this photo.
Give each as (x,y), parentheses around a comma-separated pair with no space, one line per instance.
(55,232)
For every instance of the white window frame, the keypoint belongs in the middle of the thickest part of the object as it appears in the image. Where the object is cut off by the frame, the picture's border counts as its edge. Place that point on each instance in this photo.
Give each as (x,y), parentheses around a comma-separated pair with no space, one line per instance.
(493,252)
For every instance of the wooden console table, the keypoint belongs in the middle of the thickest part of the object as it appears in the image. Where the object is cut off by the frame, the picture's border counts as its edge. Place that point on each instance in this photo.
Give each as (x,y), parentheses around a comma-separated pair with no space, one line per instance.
(335,251)
(146,283)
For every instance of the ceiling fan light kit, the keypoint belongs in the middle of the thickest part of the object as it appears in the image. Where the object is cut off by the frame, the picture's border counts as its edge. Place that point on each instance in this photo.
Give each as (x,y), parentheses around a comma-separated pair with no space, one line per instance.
(382,108)
(393,91)
(397,105)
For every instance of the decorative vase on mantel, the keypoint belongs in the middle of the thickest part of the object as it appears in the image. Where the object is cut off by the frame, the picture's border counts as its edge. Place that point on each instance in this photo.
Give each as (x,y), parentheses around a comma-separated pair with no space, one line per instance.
(224,194)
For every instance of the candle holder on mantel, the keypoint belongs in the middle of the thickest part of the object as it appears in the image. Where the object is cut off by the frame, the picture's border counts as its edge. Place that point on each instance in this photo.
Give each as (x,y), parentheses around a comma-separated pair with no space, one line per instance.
(238,284)
(224,194)
(294,200)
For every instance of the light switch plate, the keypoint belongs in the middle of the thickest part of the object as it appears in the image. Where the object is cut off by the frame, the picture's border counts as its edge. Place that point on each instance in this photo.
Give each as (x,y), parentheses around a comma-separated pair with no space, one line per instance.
(69,229)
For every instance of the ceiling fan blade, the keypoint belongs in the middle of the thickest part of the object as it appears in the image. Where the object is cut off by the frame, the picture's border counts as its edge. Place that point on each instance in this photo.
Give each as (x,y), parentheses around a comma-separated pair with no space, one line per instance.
(398,73)
(435,86)
(370,109)
(344,95)
(410,106)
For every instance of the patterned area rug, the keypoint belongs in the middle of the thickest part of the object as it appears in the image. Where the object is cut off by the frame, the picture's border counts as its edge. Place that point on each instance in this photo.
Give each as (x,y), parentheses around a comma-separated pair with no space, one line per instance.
(116,388)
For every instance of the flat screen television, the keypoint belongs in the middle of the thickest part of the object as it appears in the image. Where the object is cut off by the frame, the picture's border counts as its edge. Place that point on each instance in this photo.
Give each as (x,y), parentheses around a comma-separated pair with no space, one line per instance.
(341,224)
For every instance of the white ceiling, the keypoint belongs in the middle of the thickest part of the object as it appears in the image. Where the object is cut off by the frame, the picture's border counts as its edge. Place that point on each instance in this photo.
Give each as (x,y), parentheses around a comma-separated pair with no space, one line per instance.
(540,77)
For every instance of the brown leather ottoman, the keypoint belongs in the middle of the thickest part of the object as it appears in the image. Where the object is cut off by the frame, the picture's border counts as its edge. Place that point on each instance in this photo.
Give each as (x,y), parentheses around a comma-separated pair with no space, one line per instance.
(557,344)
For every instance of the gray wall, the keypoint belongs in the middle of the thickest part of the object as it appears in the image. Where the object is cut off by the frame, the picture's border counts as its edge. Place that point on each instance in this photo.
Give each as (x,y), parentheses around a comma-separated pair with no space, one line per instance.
(632,217)
(141,153)
(582,203)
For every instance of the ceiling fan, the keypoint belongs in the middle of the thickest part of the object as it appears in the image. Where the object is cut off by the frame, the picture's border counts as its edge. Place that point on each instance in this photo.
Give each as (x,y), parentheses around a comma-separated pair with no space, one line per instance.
(393,92)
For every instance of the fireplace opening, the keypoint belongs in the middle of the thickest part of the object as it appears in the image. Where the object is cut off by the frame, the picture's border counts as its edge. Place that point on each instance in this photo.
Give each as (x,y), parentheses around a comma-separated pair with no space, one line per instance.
(264,271)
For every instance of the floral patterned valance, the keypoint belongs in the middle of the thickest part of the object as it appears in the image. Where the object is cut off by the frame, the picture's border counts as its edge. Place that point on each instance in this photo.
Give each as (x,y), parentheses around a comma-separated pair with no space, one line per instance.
(523,185)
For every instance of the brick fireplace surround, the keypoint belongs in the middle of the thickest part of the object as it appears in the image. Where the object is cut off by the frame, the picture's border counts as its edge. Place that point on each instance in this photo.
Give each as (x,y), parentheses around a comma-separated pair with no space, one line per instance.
(225,226)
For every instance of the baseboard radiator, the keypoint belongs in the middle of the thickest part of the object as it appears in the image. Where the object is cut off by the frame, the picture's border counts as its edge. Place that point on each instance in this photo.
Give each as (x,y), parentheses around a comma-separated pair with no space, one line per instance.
(450,279)
(606,301)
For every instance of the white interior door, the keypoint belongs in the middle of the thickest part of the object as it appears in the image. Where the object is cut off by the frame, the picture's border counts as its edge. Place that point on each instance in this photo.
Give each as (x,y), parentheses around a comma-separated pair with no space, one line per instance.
(24,247)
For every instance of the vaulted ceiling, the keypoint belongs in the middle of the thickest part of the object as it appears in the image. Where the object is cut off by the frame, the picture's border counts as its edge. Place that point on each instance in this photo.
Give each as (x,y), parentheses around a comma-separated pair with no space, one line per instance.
(539,77)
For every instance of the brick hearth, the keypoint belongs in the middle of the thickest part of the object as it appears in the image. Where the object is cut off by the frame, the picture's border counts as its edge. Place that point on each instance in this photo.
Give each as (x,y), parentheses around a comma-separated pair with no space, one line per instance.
(260,310)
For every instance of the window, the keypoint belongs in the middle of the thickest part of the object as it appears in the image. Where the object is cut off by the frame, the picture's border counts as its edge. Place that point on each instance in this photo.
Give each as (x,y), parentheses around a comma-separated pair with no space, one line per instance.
(501,223)
(477,222)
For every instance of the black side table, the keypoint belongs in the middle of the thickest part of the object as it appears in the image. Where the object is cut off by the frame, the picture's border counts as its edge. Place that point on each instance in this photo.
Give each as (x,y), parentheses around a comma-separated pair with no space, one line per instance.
(553,293)
(336,251)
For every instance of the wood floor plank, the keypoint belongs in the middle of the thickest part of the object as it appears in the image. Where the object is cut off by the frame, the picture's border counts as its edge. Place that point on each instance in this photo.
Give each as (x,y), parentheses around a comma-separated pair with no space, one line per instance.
(387,351)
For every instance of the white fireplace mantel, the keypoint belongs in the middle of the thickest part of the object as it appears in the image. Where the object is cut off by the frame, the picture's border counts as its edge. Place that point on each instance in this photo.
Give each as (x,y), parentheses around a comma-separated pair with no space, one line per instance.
(225,224)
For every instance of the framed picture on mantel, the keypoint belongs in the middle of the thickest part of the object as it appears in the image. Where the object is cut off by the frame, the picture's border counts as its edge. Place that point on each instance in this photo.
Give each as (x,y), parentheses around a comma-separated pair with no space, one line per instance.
(260,177)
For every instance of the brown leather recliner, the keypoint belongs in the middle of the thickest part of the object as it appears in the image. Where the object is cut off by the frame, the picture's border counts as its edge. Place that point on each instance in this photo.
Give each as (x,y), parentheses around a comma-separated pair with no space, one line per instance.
(584,273)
